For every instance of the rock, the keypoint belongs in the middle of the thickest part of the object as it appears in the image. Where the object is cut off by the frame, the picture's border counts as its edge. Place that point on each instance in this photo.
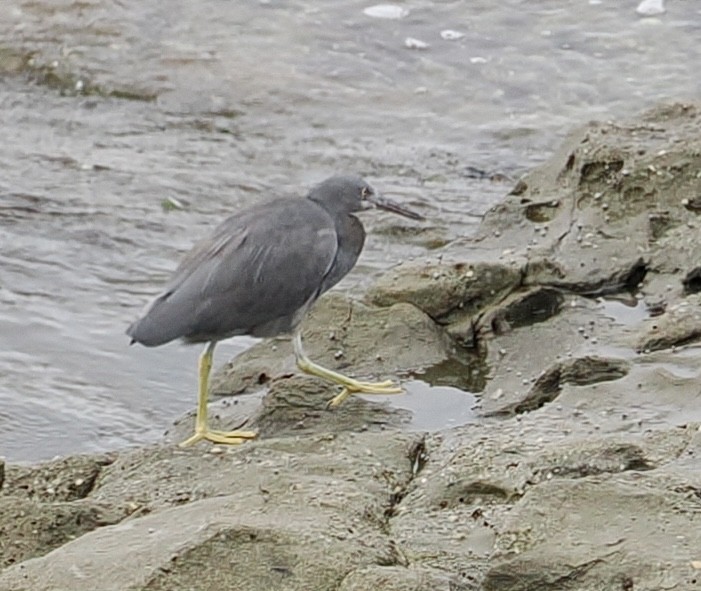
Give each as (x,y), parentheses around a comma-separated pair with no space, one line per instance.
(340,333)
(65,479)
(680,324)
(300,404)
(397,578)
(31,528)
(447,291)
(580,371)
(298,512)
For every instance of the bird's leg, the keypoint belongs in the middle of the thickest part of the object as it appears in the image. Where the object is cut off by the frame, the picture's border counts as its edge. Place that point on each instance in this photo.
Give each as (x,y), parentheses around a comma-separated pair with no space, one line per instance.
(350,386)
(202,431)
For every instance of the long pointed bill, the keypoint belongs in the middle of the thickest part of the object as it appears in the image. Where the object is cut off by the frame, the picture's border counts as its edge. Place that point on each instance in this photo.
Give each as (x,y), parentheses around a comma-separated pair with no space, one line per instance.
(389,205)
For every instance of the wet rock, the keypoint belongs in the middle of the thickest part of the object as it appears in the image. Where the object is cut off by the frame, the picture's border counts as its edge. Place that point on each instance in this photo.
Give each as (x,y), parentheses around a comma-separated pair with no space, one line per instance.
(340,333)
(679,325)
(486,496)
(580,371)
(607,549)
(447,291)
(300,404)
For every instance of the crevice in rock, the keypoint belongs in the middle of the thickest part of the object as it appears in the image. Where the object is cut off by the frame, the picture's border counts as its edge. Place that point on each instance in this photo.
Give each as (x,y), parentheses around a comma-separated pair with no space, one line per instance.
(580,372)
(628,280)
(520,574)
(600,171)
(612,459)
(535,306)
(418,456)
(692,281)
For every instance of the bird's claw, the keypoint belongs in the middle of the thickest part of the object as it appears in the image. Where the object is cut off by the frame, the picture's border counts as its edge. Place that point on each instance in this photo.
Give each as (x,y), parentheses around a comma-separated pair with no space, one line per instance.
(222,437)
(386,387)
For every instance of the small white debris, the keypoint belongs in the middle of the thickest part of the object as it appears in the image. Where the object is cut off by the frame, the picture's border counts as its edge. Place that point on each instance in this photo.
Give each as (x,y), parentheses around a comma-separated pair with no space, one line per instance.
(79,85)
(478,60)
(469,274)
(338,354)
(411,43)
(172,203)
(650,8)
(450,35)
(389,11)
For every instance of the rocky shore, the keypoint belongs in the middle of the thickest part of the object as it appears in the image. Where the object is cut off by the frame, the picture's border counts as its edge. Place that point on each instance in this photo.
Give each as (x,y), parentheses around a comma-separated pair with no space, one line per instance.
(579,296)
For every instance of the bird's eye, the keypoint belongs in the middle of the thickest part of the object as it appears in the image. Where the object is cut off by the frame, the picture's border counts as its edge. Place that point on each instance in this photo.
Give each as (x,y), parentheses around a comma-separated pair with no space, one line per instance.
(365,192)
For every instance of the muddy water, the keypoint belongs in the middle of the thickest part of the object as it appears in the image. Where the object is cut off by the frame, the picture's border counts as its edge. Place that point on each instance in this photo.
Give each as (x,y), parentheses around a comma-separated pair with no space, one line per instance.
(110,110)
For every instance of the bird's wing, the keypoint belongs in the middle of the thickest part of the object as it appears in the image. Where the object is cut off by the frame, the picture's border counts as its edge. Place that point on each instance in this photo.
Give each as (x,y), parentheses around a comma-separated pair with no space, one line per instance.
(256,268)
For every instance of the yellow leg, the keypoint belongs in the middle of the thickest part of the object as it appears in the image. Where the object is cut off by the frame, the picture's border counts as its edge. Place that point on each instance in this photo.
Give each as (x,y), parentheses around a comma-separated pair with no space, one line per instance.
(350,385)
(202,431)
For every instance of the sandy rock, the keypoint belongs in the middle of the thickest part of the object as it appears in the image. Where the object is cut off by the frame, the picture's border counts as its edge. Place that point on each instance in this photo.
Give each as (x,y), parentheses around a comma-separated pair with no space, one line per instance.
(31,528)
(340,333)
(296,512)
(444,291)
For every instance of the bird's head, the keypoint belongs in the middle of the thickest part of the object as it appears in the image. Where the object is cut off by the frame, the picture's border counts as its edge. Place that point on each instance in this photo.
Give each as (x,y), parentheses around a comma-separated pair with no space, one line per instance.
(349,194)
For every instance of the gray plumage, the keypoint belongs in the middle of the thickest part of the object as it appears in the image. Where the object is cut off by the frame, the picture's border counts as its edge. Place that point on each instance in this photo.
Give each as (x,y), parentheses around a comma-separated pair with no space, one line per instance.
(262,268)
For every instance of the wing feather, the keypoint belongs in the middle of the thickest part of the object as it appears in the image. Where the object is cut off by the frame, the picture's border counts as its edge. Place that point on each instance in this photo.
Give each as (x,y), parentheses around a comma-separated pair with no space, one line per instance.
(249,277)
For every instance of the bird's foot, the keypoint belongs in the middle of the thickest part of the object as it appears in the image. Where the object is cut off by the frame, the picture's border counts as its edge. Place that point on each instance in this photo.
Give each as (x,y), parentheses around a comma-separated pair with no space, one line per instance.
(223,437)
(357,387)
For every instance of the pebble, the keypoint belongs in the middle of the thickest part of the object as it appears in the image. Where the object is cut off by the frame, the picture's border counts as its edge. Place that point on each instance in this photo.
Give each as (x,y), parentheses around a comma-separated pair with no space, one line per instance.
(389,11)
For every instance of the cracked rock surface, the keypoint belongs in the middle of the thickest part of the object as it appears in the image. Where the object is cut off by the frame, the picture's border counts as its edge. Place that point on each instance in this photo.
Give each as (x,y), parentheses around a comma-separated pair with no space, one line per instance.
(578,297)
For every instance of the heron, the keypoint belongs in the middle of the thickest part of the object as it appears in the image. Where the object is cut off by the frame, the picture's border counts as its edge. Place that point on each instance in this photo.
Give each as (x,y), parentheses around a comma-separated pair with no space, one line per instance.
(258,274)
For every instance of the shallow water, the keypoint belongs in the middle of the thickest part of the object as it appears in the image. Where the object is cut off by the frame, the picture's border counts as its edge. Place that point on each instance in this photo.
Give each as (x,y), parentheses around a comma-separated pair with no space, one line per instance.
(247,100)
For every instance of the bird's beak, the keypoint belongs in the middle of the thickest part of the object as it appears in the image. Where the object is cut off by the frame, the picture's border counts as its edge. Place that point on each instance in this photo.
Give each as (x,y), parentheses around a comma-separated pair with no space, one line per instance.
(388,205)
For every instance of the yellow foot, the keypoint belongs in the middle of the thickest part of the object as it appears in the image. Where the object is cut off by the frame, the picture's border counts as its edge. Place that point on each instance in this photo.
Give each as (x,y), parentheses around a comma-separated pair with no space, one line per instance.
(386,387)
(224,437)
